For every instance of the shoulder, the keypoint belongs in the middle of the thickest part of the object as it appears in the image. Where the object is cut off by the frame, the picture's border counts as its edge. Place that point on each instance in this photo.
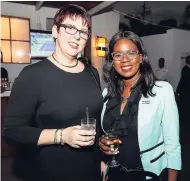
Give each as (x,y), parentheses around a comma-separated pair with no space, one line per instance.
(93,68)
(185,68)
(163,84)
(29,77)
(162,87)
(34,69)
(166,69)
(33,72)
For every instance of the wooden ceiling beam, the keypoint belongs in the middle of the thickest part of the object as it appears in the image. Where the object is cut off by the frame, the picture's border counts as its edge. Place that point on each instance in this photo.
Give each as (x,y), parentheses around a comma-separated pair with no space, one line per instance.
(38,5)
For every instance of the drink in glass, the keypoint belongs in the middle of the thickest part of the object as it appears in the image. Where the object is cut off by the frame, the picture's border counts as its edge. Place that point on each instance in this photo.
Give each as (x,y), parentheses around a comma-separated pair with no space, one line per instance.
(113,142)
(88,124)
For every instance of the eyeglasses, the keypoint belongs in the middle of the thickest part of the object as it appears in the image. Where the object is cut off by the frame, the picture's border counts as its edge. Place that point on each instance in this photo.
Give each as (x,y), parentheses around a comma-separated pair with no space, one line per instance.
(70,29)
(131,54)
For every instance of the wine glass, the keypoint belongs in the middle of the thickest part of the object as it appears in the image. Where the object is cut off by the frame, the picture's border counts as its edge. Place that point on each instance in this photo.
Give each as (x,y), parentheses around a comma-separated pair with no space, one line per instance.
(113,140)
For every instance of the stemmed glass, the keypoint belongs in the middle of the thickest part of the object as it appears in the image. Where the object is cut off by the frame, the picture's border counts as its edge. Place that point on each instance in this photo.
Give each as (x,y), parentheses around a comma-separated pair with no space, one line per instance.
(113,140)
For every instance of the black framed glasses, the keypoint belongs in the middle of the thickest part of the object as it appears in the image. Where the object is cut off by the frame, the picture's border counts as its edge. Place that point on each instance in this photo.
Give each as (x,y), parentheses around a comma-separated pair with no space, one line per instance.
(72,30)
(131,54)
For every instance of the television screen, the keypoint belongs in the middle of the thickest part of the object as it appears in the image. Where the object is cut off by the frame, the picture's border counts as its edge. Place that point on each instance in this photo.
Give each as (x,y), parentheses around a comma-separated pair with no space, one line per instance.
(42,44)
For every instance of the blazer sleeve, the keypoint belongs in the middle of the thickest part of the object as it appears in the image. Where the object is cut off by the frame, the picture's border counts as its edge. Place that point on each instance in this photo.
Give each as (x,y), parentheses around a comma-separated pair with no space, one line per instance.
(170,124)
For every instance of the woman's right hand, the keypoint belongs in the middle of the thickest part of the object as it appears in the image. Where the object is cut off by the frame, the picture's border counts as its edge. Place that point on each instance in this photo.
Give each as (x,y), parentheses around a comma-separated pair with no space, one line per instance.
(105,146)
(77,137)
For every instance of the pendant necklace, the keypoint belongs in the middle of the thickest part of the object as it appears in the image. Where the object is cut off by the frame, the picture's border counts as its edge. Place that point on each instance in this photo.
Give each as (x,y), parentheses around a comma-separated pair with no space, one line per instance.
(126,98)
(65,65)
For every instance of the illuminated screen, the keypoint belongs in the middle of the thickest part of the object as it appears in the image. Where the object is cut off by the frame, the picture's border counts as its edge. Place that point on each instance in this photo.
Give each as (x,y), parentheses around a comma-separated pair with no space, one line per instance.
(42,44)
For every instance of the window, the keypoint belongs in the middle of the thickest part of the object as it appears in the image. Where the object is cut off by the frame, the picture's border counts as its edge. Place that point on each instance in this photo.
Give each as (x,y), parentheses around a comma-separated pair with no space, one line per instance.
(15,40)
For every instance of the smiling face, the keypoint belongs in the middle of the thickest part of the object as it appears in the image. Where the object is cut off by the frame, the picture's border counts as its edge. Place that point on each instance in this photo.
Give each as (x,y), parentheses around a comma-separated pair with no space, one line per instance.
(66,43)
(127,67)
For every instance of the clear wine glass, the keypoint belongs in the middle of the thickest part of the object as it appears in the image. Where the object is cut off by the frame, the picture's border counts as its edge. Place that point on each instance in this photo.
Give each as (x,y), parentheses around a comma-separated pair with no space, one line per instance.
(114,142)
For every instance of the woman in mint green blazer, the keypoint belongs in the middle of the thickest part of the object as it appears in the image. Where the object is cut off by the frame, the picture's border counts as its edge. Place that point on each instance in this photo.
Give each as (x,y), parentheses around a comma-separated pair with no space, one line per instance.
(141,111)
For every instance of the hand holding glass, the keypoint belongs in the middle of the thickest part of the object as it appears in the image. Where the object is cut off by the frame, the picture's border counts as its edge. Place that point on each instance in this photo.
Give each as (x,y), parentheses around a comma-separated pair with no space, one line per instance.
(109,143)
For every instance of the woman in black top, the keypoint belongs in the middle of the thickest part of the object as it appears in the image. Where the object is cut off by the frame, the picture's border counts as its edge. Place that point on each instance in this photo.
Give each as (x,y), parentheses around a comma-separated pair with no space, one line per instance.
(47,103)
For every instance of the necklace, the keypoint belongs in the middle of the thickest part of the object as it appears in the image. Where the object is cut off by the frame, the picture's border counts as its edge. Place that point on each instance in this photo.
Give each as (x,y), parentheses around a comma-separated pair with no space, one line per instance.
(126,98)
(64,65)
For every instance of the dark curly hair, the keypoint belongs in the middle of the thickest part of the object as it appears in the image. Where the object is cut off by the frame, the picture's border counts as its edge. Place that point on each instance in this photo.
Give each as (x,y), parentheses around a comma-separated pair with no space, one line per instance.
(114,81)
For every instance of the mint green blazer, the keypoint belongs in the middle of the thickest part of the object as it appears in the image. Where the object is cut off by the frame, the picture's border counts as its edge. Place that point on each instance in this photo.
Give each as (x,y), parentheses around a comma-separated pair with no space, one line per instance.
(158,129)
